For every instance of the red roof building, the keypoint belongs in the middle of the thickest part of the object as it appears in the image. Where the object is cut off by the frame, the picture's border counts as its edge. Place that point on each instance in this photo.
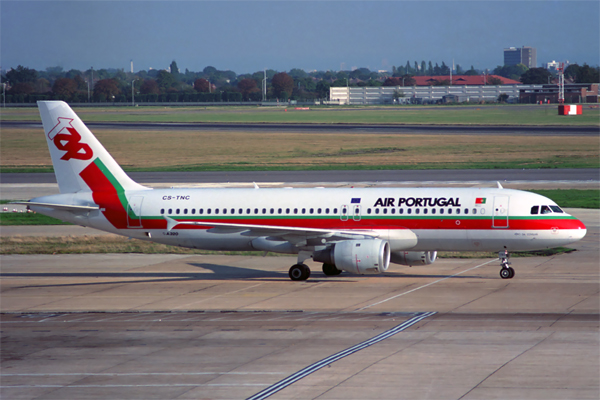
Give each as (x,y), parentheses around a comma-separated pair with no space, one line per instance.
(463,80)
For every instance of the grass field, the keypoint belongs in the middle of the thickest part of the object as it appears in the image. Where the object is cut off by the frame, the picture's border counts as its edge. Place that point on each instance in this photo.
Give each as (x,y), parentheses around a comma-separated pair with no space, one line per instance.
(25,150)
(446,115)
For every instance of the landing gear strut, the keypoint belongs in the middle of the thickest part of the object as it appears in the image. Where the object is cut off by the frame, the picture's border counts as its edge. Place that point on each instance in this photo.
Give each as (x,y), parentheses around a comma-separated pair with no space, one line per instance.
(507,272)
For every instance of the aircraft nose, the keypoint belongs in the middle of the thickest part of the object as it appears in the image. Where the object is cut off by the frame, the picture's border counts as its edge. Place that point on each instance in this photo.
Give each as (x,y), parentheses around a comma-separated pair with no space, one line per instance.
(580,231)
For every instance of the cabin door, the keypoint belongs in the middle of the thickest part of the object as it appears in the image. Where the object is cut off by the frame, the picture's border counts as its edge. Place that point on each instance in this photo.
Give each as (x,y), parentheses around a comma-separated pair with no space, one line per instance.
(500,212)
(134,212)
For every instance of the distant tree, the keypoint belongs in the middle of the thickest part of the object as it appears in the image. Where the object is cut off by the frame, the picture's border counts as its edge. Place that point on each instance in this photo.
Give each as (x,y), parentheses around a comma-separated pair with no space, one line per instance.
(423,68)
(165,80)
(106,90)
(297,74)
(471,72)
(323,89)
(22,88)
(149,86)
(535,76)
(201,85)
(174,69)
(408,68)
(459,70)
(437,70)
(72,73)
(393,81)
(64,88)
(430,69)
(209,71)
(502,98)
(494,80)
(444,69)
(416,68)
(247,87)
(409,80)
(42,85)
(21,75)
(583,74)
(511,71)
(281,83)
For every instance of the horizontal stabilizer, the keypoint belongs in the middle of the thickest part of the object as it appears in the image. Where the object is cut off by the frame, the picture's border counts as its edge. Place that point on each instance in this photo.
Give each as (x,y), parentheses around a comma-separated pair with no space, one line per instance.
(64,207)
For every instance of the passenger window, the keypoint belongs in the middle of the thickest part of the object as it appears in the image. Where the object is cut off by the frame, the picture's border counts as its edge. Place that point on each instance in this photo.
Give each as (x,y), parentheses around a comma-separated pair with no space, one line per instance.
(162,210)
(264,210)
(295,211)
(170,211)
(335,210)
(216,210)
(393,211)
(241,211)
(401,211)
(185,210)
(425,210)
(247,211)
(545,210)
(279,211)
(224,211)
(458,211)
(256,211)
(208,211)
(319,211)
(417,211)
(409,211)
(272,210)
(304,211)
(287,210)
(377,211)
(441,210)
(232,211)
(433,210)
(474,211)
(449,211)
(327,211)
(201,211)
(385,210)
(466,211)
(193,211)
(177,211)
(368,211)
(312,210)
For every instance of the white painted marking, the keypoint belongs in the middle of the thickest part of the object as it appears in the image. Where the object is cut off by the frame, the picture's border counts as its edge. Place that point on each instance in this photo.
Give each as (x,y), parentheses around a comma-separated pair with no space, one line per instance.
(424,286)
(145,373)
(215,297)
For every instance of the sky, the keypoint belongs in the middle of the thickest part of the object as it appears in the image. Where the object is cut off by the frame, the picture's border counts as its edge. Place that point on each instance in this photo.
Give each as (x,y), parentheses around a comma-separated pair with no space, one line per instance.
(249,36)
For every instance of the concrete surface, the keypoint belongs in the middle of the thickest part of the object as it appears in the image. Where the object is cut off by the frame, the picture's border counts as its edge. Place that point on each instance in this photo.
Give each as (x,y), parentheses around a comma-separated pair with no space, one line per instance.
(226,327)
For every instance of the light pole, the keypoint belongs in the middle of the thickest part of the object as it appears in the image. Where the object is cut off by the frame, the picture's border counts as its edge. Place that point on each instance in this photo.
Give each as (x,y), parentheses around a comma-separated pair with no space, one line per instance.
(88,85)
(92,78)
(132,94)
(4,94)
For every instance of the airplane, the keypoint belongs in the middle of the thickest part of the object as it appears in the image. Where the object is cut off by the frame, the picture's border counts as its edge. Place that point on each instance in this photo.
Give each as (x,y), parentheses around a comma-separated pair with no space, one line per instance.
(357,230)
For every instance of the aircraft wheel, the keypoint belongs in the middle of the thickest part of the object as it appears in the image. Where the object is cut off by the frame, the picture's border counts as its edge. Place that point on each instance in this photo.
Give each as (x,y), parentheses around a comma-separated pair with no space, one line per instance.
(330,270)
(299,272)
(512,272)
(505,273)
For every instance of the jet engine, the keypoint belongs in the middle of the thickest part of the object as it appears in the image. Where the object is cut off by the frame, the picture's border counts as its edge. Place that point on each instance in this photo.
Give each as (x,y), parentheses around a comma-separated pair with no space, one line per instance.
(357,256)
(413,257)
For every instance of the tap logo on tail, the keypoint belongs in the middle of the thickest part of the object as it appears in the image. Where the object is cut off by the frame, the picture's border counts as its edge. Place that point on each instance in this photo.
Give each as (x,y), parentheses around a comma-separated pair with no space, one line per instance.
(66,138)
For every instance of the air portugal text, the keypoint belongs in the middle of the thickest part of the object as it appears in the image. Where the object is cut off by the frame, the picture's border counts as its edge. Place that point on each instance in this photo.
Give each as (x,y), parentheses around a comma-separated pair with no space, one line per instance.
(418,202)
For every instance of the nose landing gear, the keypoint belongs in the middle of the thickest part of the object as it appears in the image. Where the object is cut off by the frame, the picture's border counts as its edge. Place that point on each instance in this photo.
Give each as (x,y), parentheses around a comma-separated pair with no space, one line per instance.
(507,272)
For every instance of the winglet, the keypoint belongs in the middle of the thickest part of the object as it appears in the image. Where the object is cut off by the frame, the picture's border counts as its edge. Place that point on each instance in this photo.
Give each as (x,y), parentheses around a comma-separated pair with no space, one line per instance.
(499,185)
(255,185)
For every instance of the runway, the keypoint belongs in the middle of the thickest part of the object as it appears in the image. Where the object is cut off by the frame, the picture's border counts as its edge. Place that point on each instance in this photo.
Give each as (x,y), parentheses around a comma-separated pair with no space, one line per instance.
(230,327)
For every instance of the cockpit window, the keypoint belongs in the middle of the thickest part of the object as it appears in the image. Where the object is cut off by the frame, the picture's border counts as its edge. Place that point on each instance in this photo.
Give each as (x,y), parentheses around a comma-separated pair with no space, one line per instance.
(545,210)
(535,210)
(556,209)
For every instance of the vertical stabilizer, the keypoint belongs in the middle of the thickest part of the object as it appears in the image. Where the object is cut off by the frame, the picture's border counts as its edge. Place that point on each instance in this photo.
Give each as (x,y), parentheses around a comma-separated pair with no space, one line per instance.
(80,161)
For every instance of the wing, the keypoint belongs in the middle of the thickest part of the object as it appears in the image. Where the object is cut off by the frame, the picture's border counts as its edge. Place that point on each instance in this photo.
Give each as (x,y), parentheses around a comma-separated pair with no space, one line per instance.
(297,236)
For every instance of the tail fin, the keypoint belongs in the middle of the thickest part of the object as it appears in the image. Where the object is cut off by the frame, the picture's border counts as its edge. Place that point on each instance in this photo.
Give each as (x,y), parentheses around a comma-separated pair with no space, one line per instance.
(80,162)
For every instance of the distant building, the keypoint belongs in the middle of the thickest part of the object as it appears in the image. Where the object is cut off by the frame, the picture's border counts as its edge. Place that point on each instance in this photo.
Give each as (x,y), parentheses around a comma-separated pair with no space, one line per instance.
(521,55)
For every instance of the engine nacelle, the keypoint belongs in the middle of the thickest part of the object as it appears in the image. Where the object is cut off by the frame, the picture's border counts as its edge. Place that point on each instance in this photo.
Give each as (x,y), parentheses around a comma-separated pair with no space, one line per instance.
(357,256)
(413,257)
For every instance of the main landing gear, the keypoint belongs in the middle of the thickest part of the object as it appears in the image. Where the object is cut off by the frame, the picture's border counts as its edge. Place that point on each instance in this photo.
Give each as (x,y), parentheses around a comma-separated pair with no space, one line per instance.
(299,272)
(507,272)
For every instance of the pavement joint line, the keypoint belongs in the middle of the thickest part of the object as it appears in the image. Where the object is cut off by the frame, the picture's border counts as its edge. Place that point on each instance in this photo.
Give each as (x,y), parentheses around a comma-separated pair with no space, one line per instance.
(271,390)
(424,286)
